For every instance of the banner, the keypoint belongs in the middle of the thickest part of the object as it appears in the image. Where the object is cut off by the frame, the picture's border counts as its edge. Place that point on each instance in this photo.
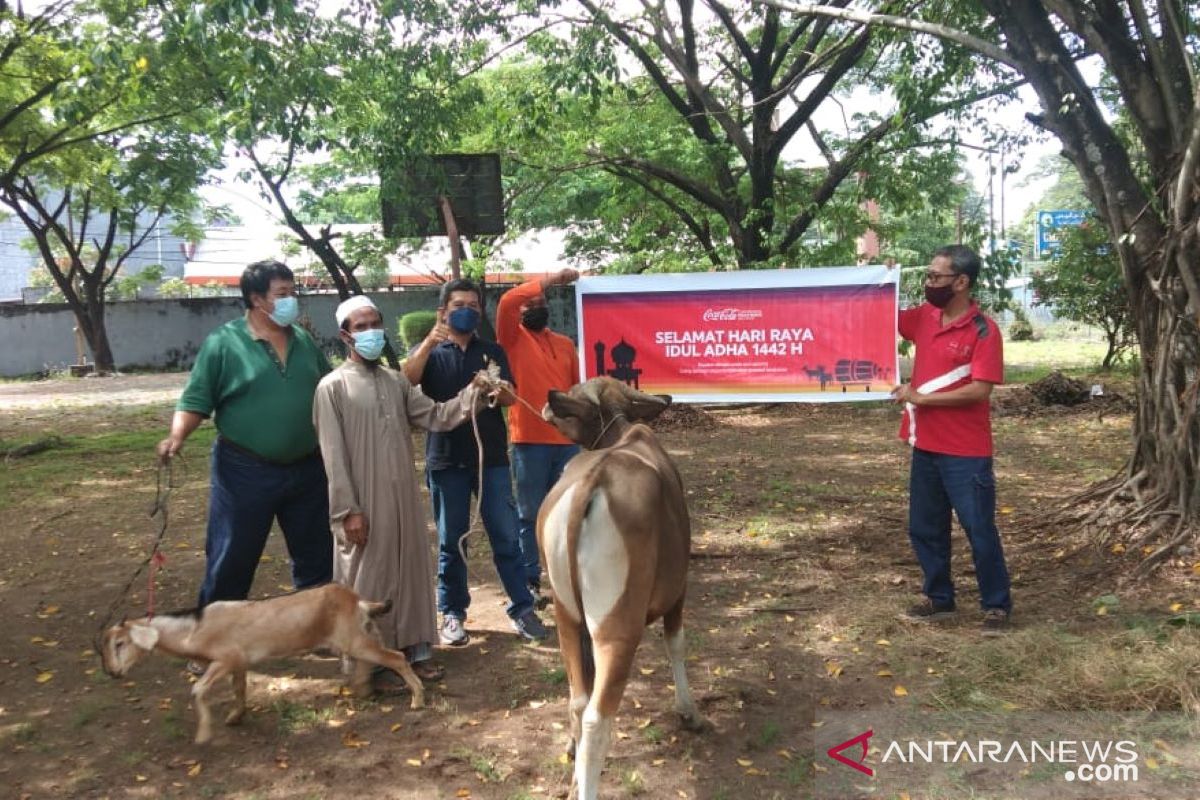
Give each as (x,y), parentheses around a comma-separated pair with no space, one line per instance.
(805,335)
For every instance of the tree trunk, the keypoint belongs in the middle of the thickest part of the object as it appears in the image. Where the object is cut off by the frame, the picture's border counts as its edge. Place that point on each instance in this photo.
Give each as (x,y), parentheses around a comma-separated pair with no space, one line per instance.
(1154,500)
(89,313)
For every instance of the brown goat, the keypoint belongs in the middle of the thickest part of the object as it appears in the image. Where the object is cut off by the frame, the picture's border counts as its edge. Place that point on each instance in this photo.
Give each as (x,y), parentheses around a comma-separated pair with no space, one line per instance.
(615,538)
(235,635)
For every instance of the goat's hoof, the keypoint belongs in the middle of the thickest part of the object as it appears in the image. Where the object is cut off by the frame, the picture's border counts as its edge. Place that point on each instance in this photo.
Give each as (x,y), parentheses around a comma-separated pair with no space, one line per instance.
(234,717)
(362,691)
(202,738)
(571,749)
(418,701)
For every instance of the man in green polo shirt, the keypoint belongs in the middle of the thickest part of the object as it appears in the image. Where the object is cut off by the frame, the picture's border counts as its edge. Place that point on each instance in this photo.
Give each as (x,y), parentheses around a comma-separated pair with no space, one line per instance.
(256,376)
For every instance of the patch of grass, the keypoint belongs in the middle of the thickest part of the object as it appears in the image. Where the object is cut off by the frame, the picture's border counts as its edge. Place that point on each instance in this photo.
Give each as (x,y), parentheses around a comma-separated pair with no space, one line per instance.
(799,769)
(1054,669)
(18,733)
(294,717)
(134,757)
(174,726)
(555,676)
(39,477)
(633,783)
(86,712)
(652,734)
(767,735)
(486,767)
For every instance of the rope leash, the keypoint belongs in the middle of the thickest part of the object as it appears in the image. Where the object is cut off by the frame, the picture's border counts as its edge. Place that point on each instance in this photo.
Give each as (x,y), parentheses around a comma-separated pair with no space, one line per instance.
(164,482)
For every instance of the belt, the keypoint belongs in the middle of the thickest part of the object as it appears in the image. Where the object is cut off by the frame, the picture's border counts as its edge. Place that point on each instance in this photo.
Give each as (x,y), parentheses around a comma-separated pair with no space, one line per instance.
(246,451)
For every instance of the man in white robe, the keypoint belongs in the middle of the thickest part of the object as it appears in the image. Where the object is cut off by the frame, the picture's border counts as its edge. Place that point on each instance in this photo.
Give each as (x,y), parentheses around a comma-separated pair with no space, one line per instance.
(364,413)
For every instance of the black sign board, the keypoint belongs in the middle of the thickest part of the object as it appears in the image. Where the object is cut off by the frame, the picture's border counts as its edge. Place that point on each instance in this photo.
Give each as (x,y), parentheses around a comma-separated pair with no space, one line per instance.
(410,195)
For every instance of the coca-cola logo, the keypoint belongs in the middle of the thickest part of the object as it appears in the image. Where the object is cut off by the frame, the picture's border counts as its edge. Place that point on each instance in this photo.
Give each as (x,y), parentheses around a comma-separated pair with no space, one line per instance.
(730,314)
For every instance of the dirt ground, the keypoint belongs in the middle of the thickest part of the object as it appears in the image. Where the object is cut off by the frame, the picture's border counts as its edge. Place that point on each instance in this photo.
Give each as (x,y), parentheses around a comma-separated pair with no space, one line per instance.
(800,565)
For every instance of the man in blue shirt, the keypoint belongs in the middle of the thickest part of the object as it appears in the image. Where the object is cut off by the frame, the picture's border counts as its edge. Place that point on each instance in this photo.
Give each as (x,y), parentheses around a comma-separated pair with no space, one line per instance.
(442,365)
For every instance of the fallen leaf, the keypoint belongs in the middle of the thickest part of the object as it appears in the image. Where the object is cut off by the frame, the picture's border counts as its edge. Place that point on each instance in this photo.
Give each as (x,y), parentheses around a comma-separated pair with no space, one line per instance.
(413,762)
(48,610)
(646,670)
(884,673)
(350,739)
(900,691)
(195,769)
(1117,549)
(755,771)
(784,754)
(644,724)
(463,793)
(44,676)
(536,703)
(745,762)
(1176,607)
(1102,611)
(1161,745)
(833,668)
(1006,509)
(658,762)
(883,643)
(140,778)
(563,758)
(1152,763)
(36,640)
(397,726)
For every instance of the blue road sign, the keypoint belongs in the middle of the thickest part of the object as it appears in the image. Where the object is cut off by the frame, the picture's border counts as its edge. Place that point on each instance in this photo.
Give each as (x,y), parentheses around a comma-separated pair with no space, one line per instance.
(1047,224)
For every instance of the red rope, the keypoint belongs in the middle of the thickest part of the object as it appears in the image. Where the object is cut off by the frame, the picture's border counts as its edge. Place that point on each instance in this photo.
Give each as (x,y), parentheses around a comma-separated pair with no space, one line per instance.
(156,561)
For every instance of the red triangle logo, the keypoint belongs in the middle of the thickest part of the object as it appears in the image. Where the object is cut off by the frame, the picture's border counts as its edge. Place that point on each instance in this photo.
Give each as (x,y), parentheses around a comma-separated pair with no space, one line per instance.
(862,739)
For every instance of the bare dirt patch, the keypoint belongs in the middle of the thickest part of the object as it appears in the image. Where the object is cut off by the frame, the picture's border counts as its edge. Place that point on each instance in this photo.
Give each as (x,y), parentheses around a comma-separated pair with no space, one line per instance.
(801,562)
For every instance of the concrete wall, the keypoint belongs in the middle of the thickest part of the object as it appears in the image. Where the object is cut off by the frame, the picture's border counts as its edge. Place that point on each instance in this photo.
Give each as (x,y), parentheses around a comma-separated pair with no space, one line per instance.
(167,334)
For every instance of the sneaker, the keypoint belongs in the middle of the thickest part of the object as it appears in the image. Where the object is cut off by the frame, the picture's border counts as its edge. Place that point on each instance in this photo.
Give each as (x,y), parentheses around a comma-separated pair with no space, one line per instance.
(996,622)
(196,668)
(530,627)
(453,633)
(927,610)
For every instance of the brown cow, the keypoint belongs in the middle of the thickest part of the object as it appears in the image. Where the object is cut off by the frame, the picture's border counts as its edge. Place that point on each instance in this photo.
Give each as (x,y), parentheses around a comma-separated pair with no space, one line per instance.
(614,535)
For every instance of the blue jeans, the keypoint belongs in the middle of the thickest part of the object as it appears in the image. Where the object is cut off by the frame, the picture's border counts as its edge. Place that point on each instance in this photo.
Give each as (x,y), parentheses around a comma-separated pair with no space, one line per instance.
(451,490)
(937,484)
(246,497)
(536,468)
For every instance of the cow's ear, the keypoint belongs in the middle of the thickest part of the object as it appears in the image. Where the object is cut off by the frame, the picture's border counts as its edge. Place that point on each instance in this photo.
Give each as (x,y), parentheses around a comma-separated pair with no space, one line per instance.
(562,405)
(645,407)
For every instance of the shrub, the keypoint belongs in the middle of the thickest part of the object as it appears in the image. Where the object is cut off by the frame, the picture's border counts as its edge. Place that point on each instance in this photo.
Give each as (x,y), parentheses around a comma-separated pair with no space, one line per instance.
(415,326)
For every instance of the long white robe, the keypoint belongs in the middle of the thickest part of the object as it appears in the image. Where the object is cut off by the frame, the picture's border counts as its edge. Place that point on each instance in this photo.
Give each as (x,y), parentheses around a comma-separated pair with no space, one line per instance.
(364,417)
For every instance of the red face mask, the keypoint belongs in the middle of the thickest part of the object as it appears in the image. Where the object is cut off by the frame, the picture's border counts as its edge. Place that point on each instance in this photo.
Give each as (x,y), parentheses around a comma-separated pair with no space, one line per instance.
(940,296)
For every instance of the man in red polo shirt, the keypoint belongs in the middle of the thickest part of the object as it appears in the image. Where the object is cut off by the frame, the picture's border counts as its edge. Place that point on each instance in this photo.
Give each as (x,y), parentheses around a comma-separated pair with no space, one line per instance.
(947,420)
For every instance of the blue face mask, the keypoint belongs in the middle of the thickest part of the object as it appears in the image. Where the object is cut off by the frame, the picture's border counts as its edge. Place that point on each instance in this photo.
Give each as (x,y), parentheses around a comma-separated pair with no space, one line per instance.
(369,343)
(464,320)
(287,311)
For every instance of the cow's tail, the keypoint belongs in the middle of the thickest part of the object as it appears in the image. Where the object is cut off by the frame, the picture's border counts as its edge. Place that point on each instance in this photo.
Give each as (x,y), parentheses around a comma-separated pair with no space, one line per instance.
(581,504)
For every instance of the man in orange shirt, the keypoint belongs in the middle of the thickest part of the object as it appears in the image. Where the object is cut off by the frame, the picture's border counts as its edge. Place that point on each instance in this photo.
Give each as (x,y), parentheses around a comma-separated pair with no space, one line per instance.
(541,360)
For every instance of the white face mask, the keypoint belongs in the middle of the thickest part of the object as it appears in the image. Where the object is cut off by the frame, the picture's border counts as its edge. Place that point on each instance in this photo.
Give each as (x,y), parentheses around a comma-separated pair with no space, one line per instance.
(287,311)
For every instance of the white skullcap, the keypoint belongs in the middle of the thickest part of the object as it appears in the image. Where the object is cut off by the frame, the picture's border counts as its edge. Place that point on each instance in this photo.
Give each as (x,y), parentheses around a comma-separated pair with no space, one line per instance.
(353,304)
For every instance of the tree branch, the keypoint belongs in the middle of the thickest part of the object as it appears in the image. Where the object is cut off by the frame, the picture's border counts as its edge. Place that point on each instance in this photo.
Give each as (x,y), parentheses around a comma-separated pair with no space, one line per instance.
(981,46)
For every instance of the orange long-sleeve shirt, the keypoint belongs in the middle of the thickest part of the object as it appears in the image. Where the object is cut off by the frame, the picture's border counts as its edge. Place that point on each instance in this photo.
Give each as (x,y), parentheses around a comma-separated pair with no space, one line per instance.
(540,362)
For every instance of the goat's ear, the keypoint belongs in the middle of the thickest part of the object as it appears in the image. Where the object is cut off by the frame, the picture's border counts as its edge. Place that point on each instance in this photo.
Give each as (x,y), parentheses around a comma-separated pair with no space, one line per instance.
(144,636)
(644,407)
(563,405)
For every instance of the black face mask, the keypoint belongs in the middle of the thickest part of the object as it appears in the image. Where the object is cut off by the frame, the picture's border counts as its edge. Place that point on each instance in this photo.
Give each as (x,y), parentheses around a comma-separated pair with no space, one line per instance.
(535,318)
(940,296)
